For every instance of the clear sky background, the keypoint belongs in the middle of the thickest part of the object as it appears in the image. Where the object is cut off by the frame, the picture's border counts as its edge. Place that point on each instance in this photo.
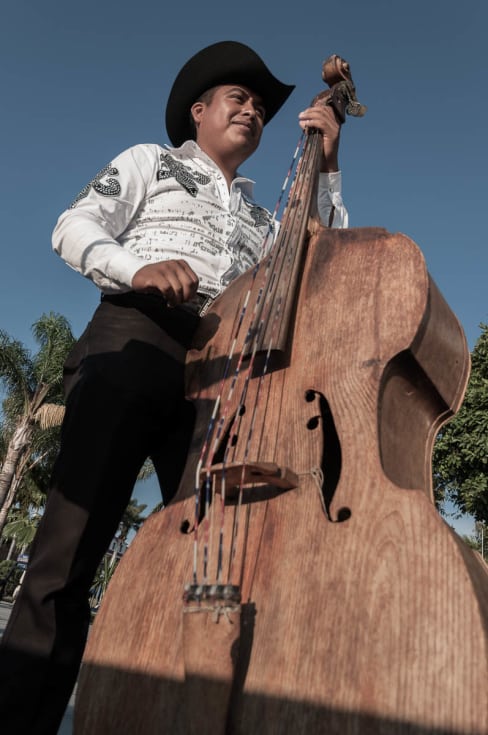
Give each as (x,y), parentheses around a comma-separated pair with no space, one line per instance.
(80,82)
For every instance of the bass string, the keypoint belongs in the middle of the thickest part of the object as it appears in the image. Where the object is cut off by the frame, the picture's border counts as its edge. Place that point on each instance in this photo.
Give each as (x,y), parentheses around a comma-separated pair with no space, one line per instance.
(270,266)
(250,434)
(214,417)
(261,316)
(307,163)
(232,435)
(279,261)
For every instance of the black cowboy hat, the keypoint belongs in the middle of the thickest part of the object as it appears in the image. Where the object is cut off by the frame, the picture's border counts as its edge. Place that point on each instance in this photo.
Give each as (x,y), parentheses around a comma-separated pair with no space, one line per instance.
(227,62)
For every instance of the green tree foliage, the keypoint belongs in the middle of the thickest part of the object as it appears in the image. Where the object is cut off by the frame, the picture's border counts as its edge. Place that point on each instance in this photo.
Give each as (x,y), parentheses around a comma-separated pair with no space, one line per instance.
(10,574)
(130,521)
(460,459)
(22,526)
(33,386)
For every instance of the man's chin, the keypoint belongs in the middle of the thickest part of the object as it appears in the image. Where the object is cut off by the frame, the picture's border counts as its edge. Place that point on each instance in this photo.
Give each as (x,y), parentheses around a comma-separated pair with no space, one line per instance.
(246,139)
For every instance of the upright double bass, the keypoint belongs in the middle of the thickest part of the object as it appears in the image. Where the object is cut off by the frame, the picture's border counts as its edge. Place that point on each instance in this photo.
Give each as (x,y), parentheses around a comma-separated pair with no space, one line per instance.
(301,580)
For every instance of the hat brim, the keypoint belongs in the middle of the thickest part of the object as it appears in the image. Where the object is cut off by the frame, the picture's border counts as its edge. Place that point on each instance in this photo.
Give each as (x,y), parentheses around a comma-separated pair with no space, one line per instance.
(227,62)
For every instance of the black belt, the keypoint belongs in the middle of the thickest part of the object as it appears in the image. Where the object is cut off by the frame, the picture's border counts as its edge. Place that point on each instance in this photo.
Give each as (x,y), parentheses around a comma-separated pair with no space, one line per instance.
(198,305)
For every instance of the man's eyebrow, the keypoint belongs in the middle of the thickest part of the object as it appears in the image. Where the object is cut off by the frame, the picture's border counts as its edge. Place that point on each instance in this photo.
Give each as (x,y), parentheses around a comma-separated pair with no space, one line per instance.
(256,97)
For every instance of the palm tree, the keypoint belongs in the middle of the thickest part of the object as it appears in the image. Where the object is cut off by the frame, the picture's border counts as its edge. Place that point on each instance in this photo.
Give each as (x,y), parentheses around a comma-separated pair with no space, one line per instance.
(22,527)
(26,512)
(33,403)
(130,521)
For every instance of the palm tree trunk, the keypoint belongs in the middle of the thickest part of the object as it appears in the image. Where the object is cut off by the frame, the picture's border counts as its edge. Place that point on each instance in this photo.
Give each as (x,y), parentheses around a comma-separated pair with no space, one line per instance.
(16,448)
(9,500)
(11,550)
(115,550)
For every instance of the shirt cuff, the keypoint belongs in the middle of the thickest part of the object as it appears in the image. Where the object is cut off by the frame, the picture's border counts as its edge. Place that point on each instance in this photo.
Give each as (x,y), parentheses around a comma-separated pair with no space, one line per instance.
(332,181)
(330,202)
(122,267)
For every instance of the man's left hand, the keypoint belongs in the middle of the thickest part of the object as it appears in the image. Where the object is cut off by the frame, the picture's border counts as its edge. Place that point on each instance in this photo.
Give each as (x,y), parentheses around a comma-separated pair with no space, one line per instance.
(322,118)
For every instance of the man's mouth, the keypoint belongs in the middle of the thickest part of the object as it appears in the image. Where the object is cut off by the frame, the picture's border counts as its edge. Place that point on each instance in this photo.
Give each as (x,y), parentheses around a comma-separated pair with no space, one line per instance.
(249,126)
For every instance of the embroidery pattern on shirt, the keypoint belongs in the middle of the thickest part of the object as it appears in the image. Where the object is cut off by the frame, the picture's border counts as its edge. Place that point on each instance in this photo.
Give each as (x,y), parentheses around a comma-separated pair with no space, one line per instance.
(108,189)
(259,215)
(183,174)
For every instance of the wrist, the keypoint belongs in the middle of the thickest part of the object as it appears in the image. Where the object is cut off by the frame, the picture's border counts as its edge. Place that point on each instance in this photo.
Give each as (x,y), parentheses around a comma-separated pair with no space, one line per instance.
(329,165)
(330,155)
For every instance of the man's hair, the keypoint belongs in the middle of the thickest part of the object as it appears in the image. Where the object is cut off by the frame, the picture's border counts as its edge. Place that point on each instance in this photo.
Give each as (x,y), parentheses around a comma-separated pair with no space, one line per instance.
(206,97)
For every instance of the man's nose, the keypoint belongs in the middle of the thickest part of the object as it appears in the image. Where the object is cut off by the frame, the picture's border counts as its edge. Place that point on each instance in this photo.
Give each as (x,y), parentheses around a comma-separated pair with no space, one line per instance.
(249,109)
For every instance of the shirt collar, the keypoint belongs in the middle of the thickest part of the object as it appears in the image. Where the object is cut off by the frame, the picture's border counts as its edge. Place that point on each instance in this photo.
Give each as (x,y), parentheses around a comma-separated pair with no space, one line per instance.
(190,149)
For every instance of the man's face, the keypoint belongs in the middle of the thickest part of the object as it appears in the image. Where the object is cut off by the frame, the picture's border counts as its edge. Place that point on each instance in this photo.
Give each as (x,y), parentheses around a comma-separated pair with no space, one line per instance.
(231,123)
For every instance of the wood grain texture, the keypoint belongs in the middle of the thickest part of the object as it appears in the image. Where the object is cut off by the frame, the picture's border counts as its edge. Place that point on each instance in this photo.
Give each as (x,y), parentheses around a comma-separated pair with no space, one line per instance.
(373,620)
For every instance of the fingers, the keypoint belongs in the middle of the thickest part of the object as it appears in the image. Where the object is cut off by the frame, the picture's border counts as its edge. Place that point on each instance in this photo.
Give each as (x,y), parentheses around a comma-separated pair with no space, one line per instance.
(321,117)
(174,279)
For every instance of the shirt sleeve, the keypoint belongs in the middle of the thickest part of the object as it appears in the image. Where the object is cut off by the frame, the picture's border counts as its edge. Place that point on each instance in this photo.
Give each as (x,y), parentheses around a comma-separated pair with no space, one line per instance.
(86,234)
(331,208)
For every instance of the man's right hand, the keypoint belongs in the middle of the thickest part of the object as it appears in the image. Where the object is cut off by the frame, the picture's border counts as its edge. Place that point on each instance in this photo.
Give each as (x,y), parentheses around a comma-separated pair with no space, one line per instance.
(174,279)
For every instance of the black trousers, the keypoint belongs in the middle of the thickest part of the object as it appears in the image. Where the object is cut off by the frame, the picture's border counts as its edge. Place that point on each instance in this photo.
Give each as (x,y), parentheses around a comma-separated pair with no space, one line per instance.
(125,401)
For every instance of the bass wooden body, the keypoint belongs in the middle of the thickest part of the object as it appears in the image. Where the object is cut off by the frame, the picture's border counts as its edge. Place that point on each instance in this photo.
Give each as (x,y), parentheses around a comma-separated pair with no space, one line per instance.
(360,610)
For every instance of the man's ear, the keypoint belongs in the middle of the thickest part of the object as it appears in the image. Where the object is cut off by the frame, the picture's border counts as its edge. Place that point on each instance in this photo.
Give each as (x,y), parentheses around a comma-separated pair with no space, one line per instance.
(196,110)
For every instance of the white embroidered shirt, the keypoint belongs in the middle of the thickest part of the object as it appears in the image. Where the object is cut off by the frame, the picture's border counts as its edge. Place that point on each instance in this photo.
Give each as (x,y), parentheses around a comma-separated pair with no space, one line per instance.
(153,203)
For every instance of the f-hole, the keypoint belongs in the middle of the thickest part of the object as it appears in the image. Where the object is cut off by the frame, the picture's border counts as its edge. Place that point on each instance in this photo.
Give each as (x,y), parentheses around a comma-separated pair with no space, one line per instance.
(331,463)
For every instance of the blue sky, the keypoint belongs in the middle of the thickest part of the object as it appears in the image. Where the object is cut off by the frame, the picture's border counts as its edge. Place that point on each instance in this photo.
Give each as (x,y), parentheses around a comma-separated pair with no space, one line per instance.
(82,81)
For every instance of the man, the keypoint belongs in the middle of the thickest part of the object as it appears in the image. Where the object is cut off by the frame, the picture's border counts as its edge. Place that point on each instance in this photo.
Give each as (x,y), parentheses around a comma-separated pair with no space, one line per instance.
(161,231)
